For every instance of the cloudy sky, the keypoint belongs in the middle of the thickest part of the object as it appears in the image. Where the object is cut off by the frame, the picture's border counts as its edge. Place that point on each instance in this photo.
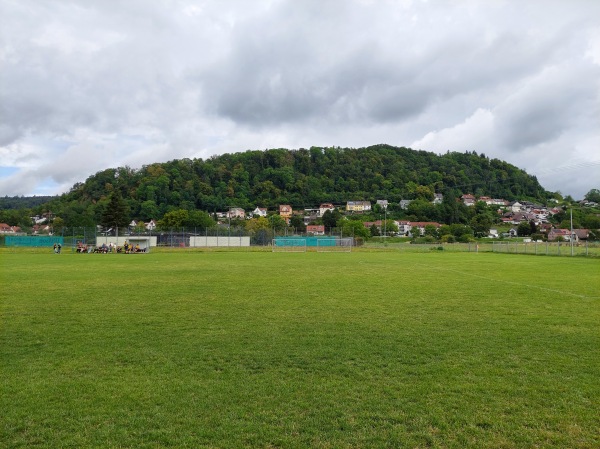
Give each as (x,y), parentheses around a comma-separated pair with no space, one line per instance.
(93,84)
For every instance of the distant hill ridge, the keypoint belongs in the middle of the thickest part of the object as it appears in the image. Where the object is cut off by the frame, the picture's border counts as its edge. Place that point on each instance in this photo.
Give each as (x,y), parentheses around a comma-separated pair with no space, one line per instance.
(301,178)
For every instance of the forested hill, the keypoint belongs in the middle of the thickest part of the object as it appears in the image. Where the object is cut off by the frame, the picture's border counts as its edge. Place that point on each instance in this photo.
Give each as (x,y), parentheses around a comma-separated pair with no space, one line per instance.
(301,178)
(23,202)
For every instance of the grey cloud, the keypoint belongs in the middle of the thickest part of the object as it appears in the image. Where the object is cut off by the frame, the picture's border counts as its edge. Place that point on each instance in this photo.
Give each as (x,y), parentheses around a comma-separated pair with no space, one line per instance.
(187,78)
(550,105)
(276,71)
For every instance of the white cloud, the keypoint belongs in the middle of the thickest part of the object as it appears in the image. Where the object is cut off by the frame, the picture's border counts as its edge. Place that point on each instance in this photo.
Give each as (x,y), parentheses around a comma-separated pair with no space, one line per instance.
(476,133)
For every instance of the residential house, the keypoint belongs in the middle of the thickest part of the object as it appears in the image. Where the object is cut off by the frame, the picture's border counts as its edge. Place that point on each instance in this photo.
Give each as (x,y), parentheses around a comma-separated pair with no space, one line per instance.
(507,220)
(382,203)
(41,229)
(493,234)
(486,199)
(5,229)
(419,226)
(515,206)
(554,234)
(378,224)
(325,207)
(520,217)
(529,206)
(468,199)
(554,211)
(358,206)
(541,215)
(236,212)
(404,227)
(259,212)
(438,198)
(544,228)
(150,226)
(39,220)
(581,234)
(310,215)
(285,211)
(404,204)
(315,229)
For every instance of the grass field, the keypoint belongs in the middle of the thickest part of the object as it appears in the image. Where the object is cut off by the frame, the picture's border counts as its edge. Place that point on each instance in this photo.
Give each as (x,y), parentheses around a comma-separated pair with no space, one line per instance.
(243,349)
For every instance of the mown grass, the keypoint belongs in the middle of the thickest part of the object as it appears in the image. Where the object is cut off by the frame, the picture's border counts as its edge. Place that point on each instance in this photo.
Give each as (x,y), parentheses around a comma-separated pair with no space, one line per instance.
(363,349)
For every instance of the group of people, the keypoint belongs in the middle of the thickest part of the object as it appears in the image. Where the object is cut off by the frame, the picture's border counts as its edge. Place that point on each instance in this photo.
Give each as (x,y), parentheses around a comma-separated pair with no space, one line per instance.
(81,247)
(104,248)
(128,248)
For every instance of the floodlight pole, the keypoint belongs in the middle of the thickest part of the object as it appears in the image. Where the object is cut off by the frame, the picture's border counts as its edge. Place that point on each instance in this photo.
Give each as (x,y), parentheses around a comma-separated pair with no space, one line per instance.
(385,225)
(571,231)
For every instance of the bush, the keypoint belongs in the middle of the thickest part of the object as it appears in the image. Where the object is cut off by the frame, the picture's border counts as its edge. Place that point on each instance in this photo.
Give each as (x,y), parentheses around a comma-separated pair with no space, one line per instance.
(423,240)
(466,238)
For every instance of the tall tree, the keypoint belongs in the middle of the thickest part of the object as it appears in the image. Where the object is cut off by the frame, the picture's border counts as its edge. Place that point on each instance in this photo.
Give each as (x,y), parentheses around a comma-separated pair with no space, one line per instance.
(116,214)
(593,195)
(524,229)
(330,218)
(200,219)
(174,219)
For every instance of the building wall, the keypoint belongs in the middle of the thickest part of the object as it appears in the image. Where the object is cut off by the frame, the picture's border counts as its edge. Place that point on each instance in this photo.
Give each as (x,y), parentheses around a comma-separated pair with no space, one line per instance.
(209,241)
(120,241)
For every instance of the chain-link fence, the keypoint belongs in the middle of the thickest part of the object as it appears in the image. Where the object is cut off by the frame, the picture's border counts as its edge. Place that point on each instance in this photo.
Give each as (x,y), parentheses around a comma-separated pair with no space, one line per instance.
(238,238)
(581,248)
(215,237)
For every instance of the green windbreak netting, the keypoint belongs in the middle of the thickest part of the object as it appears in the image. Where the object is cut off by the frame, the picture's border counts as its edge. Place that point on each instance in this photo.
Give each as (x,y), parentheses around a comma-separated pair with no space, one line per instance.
(14,240)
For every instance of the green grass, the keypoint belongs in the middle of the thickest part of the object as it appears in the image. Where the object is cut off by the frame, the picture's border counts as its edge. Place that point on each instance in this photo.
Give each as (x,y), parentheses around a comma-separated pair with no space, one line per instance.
(362,349)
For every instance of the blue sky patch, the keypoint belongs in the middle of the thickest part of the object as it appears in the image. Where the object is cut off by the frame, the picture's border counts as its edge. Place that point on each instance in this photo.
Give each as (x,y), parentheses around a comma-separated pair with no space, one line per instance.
(7,171)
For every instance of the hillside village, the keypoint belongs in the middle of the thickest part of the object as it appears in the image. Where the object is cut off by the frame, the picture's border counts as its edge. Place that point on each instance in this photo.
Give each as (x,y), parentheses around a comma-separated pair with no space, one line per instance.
(509,216)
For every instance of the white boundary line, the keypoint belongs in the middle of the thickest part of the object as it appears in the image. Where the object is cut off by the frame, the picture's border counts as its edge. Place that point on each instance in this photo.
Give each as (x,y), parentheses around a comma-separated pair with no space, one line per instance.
(520,284)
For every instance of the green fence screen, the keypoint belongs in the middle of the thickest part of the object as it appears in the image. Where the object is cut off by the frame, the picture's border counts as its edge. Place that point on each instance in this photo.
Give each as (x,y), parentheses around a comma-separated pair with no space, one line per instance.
(33,241)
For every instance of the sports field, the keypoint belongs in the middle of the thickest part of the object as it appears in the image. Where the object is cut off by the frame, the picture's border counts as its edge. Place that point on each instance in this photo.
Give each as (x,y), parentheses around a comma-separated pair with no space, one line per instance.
(259,349)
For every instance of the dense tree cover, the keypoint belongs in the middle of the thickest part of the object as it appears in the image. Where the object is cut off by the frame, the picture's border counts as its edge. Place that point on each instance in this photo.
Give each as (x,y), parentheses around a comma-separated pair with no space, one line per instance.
(187,192)
(16,217)
(17,210)
(301,178)
(23,202)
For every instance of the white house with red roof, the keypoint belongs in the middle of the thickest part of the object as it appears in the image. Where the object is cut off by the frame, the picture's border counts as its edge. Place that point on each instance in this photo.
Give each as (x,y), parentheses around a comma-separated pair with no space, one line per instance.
(315,229)
(325,207)
(6,229)
(260,212)
(468,199)
(421,225)
(404,227)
